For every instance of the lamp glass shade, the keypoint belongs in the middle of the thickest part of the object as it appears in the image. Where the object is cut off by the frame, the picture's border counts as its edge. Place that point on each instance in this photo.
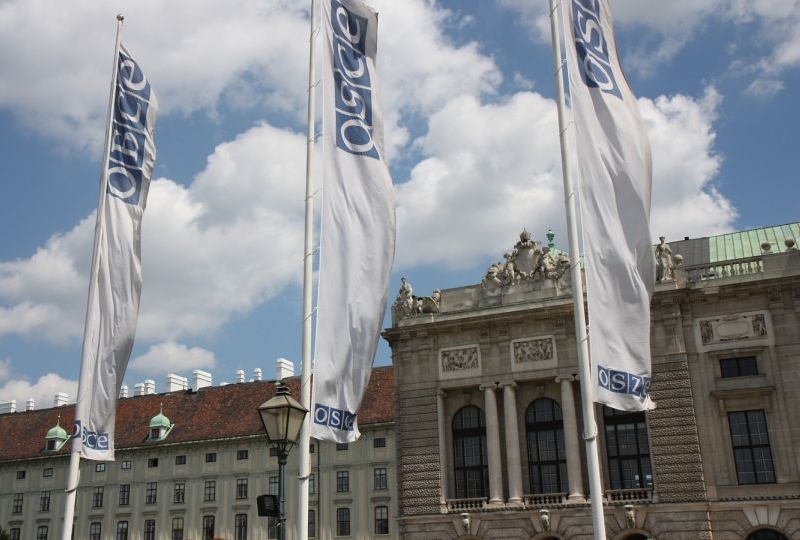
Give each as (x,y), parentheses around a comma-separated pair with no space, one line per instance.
(282,417)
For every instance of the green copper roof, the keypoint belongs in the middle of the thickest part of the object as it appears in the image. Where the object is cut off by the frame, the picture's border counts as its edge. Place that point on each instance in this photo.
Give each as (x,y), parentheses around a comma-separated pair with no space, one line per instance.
(57,432)
(160,421)
(742,244)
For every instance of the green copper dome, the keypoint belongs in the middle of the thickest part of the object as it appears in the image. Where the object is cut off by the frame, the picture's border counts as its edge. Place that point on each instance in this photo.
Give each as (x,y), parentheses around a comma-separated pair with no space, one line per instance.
(57,432)
(160,421)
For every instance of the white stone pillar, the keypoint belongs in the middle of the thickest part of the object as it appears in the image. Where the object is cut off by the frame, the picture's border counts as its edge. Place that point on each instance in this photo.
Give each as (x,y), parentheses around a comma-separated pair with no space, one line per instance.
(493,445)
(443,430)
(512,442)
(571,439)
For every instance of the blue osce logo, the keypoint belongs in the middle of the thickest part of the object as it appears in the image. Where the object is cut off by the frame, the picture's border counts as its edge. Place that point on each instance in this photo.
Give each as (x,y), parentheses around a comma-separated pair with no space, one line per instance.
(352,83)
(91,439)
(591,47)
(128,133)
(622,382)
(335,418)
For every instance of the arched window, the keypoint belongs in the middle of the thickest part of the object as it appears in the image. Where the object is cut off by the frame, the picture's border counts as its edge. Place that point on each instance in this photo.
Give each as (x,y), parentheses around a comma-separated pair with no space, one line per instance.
(547,460)
(469,447)
(766,534)
(627,449)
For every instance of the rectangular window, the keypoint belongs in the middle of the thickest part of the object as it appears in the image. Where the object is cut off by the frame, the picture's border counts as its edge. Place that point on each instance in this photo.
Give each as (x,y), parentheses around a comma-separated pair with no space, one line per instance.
(14,534)
(124,494)
(41,532)
(744,366)
(379,442)
(151,493)
(20,475)
(152,462)
(342,481)
(240,527)
(97,497)
(380,481)
(272,528)
(241,454)
(122,530)
(150,529)
(210,491)
(179,493)
(16,504)
(94,531)
(44,501)
(241,488)
(273,485)
(47,472)
(312,483)
(180,460)
(341,446)
(208,527)
(381,520)
(125,464)
(177,528)
(751,448)
(342,522)
(273,452)
(312,523)
(211,457)
(99,467)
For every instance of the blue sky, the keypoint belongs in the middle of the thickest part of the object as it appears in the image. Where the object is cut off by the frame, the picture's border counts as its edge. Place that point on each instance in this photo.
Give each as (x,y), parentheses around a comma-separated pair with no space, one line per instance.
(470,131)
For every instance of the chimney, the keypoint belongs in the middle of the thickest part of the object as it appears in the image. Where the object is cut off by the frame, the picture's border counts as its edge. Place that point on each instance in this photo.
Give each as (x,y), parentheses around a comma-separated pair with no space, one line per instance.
(60,399)
(283,369)
(257,374)
(239,376)
(176,383)
(138,389)
(8,406)
(149,387)
(200,379)
(30,405)
(123,392)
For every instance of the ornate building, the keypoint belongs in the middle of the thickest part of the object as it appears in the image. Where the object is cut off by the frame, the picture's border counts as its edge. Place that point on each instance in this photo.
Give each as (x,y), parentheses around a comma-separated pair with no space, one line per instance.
(488,405)
(190,464)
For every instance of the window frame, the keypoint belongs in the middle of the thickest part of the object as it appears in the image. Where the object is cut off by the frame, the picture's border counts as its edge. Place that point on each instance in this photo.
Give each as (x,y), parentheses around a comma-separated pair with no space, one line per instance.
(382,521)
(151,493)
(124,498)
(380,478)
(343,521)
(469,480)
(44,501)
(122,530)
(179,493)
(627,470)
(241,488)
(342,481)
(209,490)
(544,424)
(97,496)
(750,446)
(95,530)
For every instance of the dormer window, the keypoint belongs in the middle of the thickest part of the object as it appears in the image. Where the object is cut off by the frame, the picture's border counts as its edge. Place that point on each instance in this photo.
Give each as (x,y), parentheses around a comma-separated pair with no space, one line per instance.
(56,438)
(160,426)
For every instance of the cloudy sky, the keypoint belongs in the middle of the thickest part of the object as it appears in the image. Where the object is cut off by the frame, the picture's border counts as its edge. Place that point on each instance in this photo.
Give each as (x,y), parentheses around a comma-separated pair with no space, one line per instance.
(471,133)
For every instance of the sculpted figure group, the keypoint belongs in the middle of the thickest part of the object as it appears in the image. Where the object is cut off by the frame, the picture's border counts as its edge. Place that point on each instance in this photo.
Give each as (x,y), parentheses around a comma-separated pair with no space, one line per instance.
(409,304)
(528,262)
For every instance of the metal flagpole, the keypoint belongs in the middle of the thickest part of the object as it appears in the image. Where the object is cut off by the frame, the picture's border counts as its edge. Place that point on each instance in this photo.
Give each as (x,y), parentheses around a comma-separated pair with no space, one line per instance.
(304,438)
(581,335)
(73,474)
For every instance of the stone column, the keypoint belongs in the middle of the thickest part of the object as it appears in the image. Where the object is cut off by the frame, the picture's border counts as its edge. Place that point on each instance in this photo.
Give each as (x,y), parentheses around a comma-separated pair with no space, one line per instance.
(440,395)
(571,439)
(493,445)
(512,442)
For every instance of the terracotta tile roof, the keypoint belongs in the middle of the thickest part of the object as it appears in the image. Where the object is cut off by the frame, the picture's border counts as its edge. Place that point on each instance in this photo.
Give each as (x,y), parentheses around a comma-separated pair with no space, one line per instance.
(218,412)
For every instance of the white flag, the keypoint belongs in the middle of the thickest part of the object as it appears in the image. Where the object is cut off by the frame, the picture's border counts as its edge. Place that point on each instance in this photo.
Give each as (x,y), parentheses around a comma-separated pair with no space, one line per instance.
(358,222)
(616,176)
(116,278)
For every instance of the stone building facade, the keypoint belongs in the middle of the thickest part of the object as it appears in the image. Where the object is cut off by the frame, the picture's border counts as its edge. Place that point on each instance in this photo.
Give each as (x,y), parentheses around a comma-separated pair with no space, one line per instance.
(488,402)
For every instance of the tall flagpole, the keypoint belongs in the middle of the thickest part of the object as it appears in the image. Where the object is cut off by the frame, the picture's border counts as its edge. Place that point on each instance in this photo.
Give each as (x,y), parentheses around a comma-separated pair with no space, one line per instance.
(73,474)
(304,438)
(581,335)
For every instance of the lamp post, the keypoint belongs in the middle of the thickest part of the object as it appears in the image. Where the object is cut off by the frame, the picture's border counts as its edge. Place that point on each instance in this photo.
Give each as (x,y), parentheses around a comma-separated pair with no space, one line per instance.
(282,417)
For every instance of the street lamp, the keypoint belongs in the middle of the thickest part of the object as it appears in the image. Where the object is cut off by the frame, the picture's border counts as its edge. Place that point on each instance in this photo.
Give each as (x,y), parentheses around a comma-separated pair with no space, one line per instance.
(282,417)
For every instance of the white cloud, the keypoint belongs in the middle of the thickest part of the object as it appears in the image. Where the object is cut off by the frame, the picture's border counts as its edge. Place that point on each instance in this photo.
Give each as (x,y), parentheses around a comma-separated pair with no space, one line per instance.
(171,357)
(225,244)
(43,391)
(491,170)
(195,54)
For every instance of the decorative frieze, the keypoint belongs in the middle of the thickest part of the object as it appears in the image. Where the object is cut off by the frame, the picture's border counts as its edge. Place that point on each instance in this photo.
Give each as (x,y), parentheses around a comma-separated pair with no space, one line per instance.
(458,362)
(733,328)
(533,353)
